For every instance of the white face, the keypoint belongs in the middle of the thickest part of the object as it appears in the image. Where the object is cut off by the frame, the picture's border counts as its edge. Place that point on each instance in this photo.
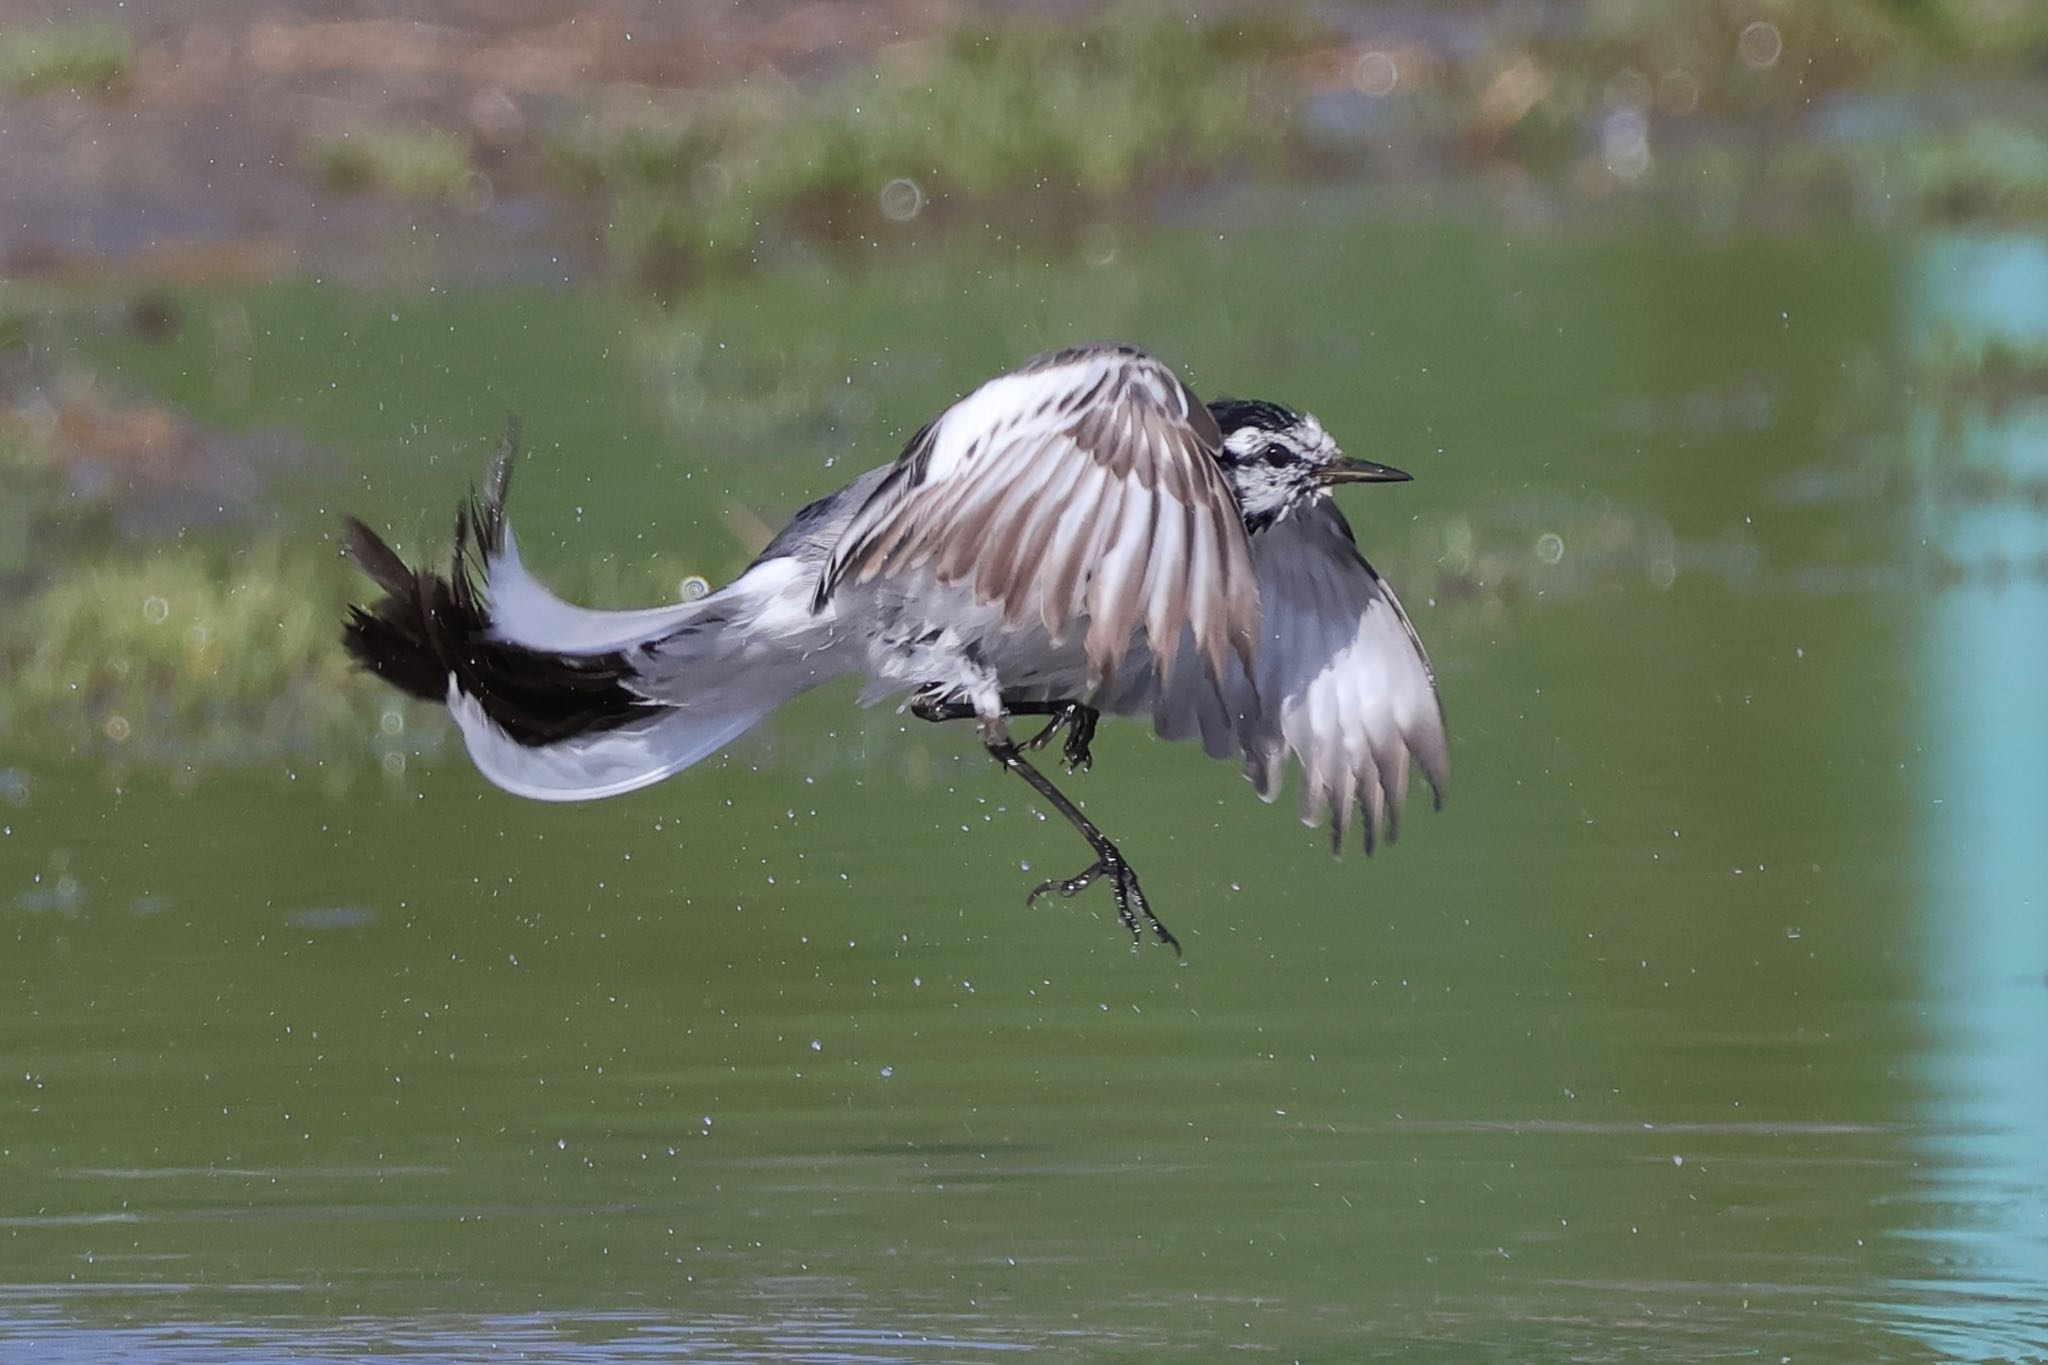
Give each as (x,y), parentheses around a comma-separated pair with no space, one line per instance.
(1273,471)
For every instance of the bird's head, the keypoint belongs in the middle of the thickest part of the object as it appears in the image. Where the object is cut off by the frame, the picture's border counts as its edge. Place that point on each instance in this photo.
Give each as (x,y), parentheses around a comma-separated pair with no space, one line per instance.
(1278,459)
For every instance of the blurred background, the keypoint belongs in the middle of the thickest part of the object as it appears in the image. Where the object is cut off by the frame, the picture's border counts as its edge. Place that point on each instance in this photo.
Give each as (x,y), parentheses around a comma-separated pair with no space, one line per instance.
(1709,1019)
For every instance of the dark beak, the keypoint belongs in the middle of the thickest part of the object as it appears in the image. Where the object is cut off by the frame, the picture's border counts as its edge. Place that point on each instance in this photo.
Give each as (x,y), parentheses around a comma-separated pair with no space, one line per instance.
(1362,471)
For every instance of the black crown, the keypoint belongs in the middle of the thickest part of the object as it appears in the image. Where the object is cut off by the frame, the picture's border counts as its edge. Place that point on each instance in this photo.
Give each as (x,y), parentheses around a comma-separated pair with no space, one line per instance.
(1234,414)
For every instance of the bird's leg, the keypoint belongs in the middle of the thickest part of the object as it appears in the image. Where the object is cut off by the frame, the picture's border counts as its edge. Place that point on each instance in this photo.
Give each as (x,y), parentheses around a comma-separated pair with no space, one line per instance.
(930,704)
(1109,861)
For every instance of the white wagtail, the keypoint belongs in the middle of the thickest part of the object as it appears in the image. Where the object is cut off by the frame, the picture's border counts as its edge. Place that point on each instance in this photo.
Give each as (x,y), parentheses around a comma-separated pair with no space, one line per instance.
(1077,536)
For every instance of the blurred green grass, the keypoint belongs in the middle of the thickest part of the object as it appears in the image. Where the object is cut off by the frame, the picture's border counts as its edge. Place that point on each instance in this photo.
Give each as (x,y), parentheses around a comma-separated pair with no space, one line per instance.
(95,59)
(1014,131)
(1989,172)
(1012,125)
(405,163)
(190,651)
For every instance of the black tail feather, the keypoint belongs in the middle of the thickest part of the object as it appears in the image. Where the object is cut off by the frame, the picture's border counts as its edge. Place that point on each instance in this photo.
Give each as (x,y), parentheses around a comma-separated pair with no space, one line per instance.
(395,649)
(374,557)
(427,629)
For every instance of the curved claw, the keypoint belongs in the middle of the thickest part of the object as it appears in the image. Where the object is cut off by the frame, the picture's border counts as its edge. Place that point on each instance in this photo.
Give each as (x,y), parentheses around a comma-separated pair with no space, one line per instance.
(1080,734)
(1130,899)
(1127,890)
(1080,722)
(1068,887)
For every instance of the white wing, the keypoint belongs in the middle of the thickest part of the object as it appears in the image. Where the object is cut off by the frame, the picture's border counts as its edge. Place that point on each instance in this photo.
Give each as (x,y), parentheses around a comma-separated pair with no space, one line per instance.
(1081,487)
(1340,681)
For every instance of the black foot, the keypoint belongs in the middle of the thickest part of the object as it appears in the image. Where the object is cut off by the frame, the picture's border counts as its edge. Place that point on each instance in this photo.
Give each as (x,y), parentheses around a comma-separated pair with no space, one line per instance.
(1080,722)
(1130,897)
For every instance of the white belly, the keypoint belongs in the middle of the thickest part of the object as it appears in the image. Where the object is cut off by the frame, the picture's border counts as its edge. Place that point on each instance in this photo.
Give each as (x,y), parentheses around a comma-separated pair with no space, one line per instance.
(930,635)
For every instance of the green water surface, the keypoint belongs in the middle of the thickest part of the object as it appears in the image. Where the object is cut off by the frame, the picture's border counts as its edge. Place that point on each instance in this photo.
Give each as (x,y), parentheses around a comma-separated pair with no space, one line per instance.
(1707,1021)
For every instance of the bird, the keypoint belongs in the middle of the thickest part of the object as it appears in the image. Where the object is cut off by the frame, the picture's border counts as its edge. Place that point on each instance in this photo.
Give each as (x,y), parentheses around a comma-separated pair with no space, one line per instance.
(1078,536)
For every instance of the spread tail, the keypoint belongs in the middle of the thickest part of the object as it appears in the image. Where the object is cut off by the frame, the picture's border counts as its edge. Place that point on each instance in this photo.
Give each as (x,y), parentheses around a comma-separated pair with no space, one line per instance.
(555,702)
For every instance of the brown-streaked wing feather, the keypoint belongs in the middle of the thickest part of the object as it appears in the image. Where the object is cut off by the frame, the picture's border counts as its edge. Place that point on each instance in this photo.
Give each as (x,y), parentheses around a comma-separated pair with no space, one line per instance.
(1082,486)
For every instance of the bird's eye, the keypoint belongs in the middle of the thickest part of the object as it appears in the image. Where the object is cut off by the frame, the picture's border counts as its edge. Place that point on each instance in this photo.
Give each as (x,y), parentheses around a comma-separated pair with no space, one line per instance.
(1273,455)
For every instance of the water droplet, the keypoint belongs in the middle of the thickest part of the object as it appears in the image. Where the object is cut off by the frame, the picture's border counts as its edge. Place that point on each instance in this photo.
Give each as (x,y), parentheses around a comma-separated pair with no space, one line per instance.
(902,200)
(1760,46)
(1375,73)
(1099,244)
(1678,93)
